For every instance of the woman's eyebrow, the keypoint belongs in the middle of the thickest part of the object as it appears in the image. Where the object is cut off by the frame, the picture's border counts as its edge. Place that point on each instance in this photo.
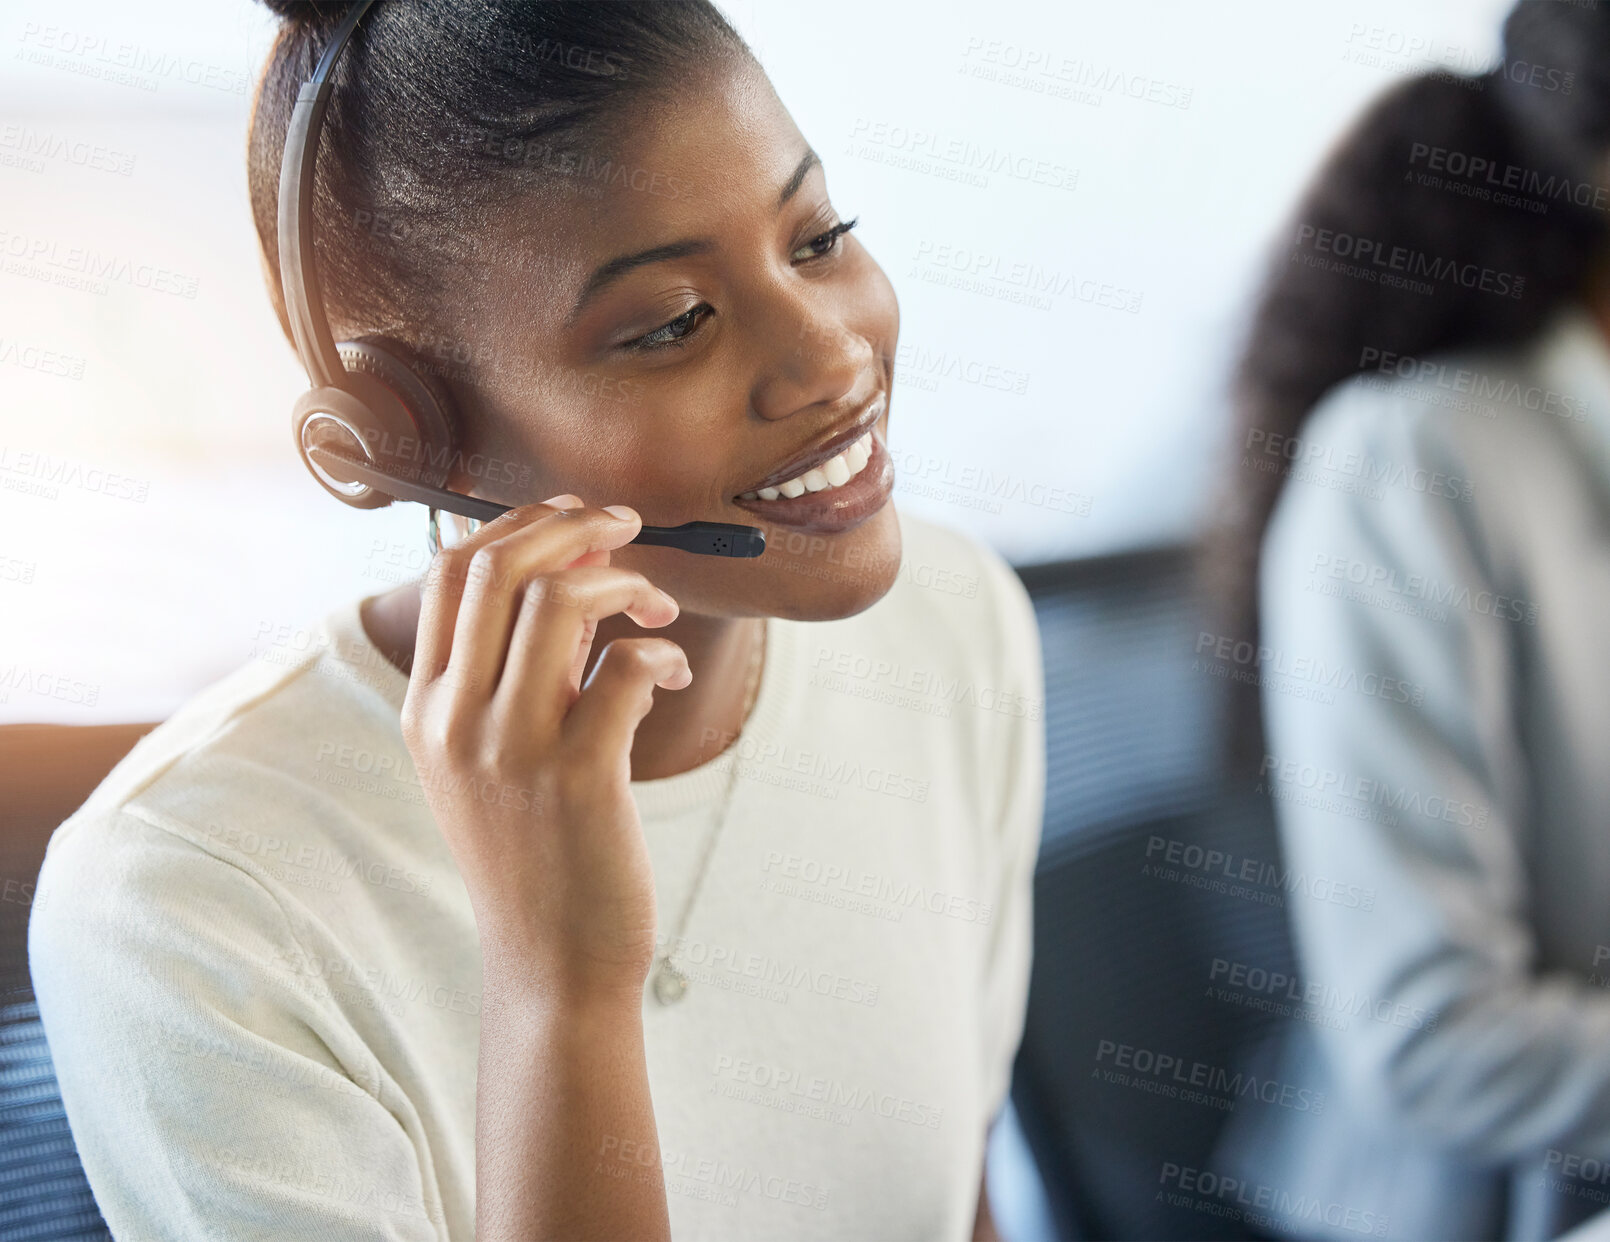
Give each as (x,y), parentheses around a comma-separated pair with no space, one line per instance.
(618,267)
(811,160)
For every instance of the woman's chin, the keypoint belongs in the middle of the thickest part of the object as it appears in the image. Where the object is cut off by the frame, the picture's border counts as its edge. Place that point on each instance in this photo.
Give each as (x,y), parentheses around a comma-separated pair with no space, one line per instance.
(828,577)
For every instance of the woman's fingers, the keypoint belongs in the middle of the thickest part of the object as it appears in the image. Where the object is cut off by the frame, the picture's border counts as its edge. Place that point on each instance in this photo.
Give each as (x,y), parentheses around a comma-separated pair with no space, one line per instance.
(559,613)
(480,586)
(442,589)
(620,693)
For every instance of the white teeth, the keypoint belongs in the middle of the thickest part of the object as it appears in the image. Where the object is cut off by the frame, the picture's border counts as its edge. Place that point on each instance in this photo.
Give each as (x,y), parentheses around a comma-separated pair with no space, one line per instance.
(835,472)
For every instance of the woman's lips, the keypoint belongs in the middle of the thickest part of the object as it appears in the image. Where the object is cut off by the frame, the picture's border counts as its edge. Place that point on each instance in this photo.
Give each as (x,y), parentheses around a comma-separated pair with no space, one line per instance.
(834,509)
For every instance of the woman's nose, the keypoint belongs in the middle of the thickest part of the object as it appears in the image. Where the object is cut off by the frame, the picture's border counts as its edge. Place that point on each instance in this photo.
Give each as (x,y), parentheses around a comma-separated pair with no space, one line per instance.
(817,360)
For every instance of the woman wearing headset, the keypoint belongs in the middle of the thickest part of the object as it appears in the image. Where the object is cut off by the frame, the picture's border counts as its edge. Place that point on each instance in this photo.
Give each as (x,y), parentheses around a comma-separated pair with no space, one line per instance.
(1434,579)
(432,928)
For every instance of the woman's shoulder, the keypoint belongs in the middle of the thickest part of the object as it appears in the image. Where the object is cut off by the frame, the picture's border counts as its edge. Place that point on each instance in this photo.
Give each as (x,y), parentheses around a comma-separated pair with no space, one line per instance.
(1485,444)
(957,602)
(1475,407)
(291,748)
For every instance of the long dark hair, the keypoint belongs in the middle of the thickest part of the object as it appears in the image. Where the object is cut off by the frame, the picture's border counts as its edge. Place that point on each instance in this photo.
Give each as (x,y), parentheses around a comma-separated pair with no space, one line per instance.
(1497,174)
(441,110)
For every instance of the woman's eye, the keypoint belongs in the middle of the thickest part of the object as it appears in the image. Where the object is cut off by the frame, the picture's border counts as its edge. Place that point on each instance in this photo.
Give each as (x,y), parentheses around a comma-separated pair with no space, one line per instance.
(825,244)
(672,333)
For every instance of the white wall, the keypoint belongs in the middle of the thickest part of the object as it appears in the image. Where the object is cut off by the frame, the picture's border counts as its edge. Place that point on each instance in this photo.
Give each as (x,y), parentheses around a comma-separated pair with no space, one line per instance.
(168,393)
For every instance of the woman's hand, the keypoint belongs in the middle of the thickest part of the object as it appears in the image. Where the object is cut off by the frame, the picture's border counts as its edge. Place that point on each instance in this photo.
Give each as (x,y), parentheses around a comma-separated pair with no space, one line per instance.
(528,771)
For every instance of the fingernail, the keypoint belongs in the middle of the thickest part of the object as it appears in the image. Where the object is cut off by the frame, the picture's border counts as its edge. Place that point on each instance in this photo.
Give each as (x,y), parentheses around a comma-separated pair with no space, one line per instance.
(624,512)
(563,500)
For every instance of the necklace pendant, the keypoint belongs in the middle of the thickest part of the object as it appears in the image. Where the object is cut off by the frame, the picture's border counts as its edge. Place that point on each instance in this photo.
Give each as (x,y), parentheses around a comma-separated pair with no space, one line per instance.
(670,984)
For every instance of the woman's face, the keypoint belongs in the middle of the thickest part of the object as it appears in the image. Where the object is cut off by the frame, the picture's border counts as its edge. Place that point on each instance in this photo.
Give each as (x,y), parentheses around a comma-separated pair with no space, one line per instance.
(680,322)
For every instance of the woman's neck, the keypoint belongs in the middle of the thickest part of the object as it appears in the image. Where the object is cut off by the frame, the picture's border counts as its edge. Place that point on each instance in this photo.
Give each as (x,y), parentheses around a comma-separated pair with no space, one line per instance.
(685,728)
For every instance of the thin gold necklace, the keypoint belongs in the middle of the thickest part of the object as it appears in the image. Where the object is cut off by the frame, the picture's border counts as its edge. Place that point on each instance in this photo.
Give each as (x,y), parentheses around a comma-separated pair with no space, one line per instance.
(671,984)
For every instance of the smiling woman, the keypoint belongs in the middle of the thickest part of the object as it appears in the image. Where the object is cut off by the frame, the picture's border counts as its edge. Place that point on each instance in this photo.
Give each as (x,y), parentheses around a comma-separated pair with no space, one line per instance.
(446,924)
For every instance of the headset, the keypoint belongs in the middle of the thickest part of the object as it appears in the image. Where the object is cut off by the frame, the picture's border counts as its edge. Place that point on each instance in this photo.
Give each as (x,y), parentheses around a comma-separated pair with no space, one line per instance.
(368,402)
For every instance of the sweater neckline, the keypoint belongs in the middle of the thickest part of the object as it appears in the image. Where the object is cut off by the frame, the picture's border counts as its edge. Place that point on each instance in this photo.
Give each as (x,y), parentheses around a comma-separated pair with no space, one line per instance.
(702,786)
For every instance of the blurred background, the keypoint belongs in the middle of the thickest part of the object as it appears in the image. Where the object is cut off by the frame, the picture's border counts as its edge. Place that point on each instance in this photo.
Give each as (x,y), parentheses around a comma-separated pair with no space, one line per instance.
(1065,339)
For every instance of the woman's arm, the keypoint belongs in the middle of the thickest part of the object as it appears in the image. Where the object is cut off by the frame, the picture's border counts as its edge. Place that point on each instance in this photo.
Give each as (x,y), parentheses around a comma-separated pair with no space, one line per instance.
(1397,768)
(565,1130)
(560,882)
(213,1085)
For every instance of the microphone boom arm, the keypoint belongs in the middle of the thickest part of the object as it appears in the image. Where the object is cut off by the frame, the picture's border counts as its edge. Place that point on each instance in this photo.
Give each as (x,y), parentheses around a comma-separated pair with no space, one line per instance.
(701,538)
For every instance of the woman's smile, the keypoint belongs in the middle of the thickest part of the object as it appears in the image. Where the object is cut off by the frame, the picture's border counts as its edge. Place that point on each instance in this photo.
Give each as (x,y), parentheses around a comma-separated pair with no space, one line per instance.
(834,487)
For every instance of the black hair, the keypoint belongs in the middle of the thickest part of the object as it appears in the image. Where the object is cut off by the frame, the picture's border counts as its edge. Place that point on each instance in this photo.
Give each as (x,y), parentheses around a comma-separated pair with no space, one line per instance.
(442,109)
(1501,170)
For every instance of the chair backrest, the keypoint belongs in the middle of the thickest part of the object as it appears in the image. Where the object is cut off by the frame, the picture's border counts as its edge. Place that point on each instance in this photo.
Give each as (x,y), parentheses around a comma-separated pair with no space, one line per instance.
(46,772)
(1128,919)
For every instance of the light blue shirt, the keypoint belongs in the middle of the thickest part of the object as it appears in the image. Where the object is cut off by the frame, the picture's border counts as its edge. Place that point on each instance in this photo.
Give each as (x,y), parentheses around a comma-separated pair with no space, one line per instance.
(1435,677)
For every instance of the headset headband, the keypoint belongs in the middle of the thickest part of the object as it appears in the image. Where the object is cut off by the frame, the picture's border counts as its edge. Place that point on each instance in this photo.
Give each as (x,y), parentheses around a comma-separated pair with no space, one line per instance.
(299,273)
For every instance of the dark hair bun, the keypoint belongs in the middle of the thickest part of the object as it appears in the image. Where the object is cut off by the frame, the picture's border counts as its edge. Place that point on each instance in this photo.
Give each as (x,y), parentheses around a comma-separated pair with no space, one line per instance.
(300,11)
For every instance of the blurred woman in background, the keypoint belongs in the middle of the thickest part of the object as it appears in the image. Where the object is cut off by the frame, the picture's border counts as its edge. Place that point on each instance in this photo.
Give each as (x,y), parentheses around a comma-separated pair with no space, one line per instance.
(1424,443)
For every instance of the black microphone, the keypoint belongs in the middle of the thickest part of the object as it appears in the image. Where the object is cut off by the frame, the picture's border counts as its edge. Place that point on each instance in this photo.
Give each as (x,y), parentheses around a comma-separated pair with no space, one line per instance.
(703,538)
